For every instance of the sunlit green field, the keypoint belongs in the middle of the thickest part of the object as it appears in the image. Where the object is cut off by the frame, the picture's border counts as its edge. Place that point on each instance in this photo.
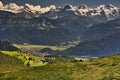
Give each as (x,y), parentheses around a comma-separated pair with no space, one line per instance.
(56,48)
(30,59)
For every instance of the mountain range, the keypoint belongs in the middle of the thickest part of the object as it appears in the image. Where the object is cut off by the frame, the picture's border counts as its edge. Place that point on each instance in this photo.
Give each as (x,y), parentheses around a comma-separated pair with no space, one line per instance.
(4,45)
(30,11)
(90,3)
(95,28)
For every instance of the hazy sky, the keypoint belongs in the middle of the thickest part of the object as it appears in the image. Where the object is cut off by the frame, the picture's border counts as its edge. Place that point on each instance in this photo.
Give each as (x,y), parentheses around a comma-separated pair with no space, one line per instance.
(90,3)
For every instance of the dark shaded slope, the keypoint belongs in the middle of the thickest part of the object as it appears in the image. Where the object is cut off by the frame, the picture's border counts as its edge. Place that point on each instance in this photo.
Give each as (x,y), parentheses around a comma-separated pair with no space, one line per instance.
(4,45)
(4,14)
(76,24)
(101,30)
(102,47)
(33,31)
(42,30)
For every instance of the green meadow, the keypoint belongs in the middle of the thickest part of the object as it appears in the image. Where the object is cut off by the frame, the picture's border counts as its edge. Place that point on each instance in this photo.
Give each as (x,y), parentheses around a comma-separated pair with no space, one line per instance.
(106,68)
(27,59)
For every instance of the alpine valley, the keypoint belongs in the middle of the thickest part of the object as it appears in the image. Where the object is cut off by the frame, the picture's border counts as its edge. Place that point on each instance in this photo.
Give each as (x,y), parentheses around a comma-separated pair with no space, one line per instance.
(59,43)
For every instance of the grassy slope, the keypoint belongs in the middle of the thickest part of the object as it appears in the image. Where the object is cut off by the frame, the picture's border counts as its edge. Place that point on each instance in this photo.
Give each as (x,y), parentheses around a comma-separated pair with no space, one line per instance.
(107,68)
(9,64)
(26,58)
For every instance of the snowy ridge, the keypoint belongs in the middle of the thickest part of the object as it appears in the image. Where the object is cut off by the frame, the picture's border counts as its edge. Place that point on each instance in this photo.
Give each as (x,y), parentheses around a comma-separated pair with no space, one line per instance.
(30,11)
(13,7)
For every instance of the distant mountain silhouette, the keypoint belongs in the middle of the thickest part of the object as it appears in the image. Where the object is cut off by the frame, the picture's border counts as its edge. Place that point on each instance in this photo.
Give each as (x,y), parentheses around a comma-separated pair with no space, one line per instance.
(4,45)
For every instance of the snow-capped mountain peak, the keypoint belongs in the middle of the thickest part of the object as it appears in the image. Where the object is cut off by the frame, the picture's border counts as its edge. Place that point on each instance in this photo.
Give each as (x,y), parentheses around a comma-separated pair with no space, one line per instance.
(1,4)
(31,7)
(68,7)
(109,11)
(14,7)
(11,7)
(83,10)
(83,6)
(108,6)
